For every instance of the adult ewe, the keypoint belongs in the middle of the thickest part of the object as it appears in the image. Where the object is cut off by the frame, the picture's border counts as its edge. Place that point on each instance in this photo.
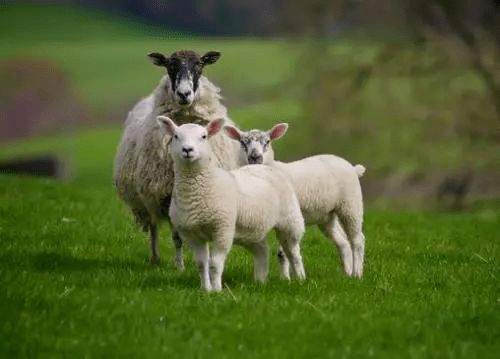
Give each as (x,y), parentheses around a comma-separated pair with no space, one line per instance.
(328,190)
(143,172)
(213,206)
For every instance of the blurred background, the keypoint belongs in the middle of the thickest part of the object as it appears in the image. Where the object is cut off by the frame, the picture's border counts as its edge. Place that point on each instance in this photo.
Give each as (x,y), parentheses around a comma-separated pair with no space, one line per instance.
(409,88)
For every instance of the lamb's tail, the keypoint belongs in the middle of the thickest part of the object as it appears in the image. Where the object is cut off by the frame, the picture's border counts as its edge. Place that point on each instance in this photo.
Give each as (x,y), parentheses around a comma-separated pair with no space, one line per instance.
(360,170)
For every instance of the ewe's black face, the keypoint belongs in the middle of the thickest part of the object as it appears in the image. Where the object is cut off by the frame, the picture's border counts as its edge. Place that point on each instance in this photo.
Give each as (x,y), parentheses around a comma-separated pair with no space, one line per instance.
(184,69)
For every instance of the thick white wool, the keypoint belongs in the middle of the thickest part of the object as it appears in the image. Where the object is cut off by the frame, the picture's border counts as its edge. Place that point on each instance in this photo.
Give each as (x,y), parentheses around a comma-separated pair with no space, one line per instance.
(143,172)
(328,190)
(216,206)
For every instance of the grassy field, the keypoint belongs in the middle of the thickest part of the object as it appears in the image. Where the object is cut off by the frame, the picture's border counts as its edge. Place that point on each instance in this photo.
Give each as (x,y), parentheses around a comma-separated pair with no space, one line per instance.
(75,282)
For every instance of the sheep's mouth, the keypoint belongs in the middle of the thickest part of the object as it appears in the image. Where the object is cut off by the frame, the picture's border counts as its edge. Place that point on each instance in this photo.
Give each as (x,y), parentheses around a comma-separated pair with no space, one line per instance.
(188,157)
(184,102)
(255,161)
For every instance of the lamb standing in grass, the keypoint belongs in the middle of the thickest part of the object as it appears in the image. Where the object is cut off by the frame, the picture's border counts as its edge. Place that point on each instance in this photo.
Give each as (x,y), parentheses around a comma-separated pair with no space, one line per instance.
(214,206)
(328,190)
(143,171)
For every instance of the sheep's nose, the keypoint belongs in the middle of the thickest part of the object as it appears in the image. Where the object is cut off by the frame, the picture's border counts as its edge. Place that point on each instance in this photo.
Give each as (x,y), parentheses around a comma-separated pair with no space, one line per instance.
(255,159)
(187,149)
(183,95)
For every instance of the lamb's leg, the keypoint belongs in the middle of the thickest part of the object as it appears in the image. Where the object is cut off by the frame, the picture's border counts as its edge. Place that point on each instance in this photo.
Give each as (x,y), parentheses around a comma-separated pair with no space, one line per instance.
(201,257)
(291,246)
(218,254)
(352,224)
(284,264)
(359,254)
(179,258)
(260,252)
(153,243)
(334,231)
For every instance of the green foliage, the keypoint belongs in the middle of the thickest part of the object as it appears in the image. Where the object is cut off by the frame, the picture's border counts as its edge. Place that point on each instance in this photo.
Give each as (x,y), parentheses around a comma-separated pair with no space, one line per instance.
(403,107)
(75,282)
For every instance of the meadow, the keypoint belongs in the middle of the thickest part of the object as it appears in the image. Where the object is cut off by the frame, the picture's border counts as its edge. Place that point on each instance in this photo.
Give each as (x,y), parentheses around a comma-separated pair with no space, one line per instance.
(75,281)
(74,275)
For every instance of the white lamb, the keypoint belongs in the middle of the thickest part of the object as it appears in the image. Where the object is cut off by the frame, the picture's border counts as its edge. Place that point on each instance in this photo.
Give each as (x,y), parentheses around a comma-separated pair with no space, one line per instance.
(143,172)
(214,206)
(327,187)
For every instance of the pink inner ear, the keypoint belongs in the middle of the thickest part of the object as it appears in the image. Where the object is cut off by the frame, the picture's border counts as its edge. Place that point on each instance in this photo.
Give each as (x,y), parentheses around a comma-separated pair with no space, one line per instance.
(232,132)
(214,126)
(278,131)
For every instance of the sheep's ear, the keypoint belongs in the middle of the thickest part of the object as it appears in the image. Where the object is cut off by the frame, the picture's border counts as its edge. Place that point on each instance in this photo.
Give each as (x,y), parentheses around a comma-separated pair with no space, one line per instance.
(233,132)
(210,57)
(158,59)
(214,126)
(167,124)
(278,131)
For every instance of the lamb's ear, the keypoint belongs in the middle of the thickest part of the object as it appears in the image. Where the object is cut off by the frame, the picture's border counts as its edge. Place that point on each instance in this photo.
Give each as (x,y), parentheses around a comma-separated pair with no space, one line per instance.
(210,57)
(167,124)
(278,131)
(158,59)
(214,126)
(233,132)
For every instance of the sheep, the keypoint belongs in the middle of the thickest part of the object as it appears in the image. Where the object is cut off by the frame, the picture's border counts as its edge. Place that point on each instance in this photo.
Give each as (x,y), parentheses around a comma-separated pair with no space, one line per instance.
(143,173)
(327,187)
(211,205)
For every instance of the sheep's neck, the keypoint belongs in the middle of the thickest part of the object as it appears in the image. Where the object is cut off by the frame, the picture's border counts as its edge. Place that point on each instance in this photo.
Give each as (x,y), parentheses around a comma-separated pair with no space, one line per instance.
(193,175)
(192,187)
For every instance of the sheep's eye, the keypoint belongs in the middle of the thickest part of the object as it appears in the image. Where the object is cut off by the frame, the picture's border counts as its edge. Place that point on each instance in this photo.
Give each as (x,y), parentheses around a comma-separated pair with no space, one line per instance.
(176,137)
(204,137)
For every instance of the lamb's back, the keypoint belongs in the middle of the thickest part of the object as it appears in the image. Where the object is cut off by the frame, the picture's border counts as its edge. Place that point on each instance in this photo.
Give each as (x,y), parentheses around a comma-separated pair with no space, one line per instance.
(264,197)
(321,182)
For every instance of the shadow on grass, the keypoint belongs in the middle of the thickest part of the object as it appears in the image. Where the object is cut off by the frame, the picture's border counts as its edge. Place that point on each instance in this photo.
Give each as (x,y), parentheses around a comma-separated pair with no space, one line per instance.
(134,273)
(128,273)
(56,262)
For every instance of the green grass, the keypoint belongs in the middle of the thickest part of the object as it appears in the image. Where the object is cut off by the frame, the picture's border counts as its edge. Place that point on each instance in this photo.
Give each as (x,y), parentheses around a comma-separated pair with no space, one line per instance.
(75,281)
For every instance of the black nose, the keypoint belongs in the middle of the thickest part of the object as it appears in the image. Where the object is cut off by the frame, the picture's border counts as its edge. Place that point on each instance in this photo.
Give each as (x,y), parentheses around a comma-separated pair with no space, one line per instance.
(255,159)
(187,149)
(183,95)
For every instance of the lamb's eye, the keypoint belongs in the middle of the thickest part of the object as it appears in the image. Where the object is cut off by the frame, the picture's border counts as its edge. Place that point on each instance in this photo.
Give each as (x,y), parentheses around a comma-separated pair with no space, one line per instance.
(204,137)
(176,137)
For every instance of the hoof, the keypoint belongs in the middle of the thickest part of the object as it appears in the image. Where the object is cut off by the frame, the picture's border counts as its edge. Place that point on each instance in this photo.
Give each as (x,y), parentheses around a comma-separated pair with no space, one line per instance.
(285,276)
(155,260)
(180,266)
(357,275)
(349,273)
